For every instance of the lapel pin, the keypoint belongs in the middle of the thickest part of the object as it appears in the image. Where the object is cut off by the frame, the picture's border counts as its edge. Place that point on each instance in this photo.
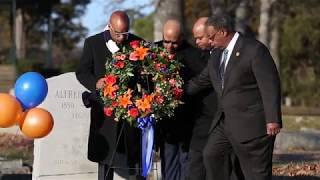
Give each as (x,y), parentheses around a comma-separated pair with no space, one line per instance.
(237,54)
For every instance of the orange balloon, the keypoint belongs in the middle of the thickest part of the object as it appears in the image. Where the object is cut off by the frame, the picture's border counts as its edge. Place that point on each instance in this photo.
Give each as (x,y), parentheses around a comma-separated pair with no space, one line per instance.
(37,123)
(10,110)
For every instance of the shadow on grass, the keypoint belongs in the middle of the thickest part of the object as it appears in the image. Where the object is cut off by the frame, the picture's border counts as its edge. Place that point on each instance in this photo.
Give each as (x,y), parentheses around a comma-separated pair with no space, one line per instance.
(295,178)
(16,177)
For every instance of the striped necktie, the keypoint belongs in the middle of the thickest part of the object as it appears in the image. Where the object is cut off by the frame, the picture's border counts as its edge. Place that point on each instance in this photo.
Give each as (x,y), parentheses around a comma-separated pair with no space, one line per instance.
(222,66)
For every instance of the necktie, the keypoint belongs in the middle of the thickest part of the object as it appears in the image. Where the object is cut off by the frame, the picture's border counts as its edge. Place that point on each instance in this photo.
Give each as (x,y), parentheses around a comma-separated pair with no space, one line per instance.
(222,66)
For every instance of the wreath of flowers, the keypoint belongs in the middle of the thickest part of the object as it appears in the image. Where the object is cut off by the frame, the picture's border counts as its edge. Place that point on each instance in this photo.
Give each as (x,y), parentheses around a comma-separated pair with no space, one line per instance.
(158,94)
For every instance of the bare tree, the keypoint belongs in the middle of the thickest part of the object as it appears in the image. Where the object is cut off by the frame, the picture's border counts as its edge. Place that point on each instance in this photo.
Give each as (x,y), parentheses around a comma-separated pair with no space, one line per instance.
(269,27)
(275,36)
(20,35)
(217,6)
(265,18)
(242,16)
(164,10)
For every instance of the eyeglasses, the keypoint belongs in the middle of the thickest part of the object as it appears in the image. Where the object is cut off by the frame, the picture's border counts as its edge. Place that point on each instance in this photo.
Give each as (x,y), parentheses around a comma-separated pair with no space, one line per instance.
(170,42)
(119,34)
(212,36)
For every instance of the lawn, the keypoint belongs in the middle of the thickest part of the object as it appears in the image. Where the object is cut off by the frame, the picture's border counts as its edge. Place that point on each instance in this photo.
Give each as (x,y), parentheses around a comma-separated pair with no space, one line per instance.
(298,123)
(19,147)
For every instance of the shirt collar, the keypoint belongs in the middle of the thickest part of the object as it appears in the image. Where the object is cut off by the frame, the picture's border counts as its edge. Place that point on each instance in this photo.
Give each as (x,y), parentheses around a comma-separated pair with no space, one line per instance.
(111,45)
(232,43)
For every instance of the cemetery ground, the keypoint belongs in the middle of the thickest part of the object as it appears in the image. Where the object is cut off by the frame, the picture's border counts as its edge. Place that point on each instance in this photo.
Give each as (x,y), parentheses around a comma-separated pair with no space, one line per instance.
(16,153)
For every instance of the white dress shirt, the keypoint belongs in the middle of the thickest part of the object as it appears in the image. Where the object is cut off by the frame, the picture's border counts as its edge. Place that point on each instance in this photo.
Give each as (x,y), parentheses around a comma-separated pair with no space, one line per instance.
(230,47)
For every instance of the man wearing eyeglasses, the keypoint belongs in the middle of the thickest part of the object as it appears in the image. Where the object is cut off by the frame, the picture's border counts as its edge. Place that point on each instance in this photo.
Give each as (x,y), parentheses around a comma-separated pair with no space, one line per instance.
(248,118)
(176,132)
(202,124)
(104,131)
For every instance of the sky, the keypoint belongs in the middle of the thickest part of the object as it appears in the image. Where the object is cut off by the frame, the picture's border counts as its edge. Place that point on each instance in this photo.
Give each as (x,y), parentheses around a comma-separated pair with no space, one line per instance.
(96,18)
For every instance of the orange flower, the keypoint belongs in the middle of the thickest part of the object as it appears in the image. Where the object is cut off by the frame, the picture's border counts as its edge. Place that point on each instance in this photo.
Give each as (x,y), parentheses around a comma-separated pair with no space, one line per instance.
(148,98)
(142,52)
(143,104)
(109,90)
(124,100)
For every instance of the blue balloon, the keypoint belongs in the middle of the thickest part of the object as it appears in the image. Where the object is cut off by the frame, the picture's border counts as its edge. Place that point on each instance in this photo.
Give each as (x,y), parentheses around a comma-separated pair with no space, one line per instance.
(31,89)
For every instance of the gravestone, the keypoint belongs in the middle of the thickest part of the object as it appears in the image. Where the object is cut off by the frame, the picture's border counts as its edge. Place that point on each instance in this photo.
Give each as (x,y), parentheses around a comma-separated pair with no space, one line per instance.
(62,155)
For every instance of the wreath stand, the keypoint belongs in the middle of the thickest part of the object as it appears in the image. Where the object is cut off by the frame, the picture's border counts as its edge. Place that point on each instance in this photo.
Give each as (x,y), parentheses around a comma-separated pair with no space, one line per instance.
(138,176)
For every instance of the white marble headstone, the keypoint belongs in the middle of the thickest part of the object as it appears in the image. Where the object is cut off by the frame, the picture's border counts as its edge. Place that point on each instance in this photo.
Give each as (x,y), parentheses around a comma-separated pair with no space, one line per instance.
(62,155)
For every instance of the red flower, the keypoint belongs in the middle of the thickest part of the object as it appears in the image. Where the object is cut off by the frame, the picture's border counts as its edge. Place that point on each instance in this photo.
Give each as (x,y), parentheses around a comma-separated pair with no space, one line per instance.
(110,79)
(133,112)
(108,111)
(115,104)
(134,44)
(134,56)
(177,93)
(119,64)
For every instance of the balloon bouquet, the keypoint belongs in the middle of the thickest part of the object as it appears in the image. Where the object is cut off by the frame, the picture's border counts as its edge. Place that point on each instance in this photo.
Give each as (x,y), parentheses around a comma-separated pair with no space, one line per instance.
(30,90)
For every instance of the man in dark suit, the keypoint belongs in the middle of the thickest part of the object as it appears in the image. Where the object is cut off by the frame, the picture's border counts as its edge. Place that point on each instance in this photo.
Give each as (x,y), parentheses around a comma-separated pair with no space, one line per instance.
(176,132)
(105,131)
(202,123)
(196,169)
(247,83)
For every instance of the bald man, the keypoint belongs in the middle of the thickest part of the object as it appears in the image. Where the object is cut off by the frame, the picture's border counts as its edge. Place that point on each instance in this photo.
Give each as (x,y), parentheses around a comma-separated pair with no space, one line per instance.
(199,138)
(200,35)
(196,169)
(176,132)
(104,130)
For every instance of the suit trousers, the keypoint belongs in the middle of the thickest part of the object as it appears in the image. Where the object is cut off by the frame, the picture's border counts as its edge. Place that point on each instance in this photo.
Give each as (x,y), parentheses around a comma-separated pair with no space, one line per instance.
(173,161)
(196,169)
(255,155)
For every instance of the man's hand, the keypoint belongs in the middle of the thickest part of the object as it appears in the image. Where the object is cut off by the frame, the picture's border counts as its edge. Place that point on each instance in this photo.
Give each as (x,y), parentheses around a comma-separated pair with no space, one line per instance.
(273,129)
(100,83)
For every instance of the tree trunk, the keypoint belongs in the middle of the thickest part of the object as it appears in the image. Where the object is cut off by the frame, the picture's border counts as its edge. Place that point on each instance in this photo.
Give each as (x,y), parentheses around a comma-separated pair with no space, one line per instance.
(265,8)
(217,6)
(20,35)
(274,40)
(242,16)
(167,9)
(275,32)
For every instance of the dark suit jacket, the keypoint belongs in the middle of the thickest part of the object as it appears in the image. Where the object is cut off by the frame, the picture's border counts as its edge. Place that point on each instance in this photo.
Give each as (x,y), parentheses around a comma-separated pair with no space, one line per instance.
(251,94)
(179,128)
(208,108)
(104,131)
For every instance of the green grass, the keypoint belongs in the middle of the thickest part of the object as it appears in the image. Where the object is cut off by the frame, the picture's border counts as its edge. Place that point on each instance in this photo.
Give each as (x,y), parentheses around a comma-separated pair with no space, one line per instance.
(297,123)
